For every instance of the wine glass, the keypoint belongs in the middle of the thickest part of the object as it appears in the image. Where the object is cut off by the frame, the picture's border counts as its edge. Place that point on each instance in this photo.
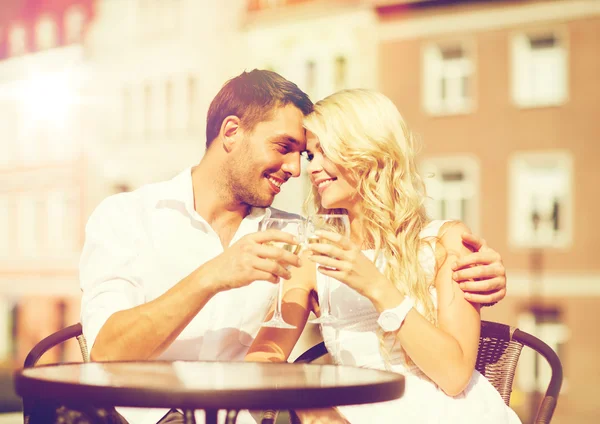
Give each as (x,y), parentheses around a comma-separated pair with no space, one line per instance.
(336,223)
(296,228)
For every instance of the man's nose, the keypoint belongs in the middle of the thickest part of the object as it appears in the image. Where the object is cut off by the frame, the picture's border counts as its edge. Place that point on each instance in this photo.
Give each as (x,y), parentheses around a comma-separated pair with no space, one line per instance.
(292,165)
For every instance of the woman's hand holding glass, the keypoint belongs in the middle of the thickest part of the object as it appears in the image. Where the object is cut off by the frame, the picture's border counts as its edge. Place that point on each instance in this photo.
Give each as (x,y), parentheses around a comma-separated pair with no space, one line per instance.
(339,258)
(317,227)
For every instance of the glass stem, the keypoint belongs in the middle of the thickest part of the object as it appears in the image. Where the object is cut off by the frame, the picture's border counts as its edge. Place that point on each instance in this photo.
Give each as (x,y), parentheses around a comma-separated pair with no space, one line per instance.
(325,300)
(277,313)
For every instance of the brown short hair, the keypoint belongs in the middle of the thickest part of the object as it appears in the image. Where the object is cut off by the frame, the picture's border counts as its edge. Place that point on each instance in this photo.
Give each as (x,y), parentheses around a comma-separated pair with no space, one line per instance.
(252,97)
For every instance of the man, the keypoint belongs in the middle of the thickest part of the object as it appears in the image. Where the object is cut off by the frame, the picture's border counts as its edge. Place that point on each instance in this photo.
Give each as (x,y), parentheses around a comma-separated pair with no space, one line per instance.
(178,269)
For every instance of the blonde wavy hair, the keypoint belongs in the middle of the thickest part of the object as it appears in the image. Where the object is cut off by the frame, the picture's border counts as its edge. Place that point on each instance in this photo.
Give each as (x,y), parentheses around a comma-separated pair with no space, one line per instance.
(363,132)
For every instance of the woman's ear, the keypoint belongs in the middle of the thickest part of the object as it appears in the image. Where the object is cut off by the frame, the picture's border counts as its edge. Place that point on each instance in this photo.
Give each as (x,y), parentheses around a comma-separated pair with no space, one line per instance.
(231,132)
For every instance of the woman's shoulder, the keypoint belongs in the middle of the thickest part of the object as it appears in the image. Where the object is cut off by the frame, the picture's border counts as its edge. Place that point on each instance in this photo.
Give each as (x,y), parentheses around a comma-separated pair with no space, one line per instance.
(449,233)
(434,227)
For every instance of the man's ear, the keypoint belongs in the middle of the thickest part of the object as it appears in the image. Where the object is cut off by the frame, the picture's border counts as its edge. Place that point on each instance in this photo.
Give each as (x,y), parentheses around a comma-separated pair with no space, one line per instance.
(231,132)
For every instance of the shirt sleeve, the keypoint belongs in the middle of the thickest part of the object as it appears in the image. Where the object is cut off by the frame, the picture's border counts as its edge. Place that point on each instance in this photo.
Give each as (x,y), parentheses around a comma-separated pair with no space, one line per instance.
(107,271)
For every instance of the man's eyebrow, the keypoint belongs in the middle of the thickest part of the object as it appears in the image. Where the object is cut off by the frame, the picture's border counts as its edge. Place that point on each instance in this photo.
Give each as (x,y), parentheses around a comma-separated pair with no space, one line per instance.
(286,137)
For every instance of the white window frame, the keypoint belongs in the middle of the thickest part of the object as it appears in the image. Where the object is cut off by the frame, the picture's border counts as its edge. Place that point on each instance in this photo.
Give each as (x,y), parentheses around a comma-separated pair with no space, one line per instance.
(192,95)
(432,68)
(5,224)
(149,102)
(57,221)
(522,60)
(432,168)
(519,164)
(7,131)
(337,84)
(17,40)
(28,234)
(74,23)
(46,33)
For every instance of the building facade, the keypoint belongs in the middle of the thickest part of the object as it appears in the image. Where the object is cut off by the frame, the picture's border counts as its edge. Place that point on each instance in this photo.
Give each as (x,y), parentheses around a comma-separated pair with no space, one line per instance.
(503,96)
(156,65)
(41,168)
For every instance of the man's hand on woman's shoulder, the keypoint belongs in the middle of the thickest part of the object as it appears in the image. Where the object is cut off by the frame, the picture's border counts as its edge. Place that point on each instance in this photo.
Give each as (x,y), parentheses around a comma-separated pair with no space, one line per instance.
(481,274)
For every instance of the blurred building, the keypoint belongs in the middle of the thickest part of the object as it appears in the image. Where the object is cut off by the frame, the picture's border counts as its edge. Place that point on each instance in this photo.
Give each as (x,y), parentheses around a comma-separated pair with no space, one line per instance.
(41,168)
(504,96)
(155,67)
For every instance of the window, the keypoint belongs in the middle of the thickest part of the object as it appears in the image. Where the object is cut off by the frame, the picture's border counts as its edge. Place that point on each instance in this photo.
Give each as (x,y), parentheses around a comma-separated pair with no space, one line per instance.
(127,111)
(74,23)
(5,224)
(311,78)
(539,69)
(168,107)
(453,188)
(27,227)
(17,40)
(46,33)
(540,202)
(447,79)
(62,222)
(147,109)
(544,323)
(191,97)
(340,77)
(7,129)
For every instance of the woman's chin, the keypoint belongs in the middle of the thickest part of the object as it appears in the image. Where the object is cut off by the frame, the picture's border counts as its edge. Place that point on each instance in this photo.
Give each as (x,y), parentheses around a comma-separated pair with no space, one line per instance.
(329,205)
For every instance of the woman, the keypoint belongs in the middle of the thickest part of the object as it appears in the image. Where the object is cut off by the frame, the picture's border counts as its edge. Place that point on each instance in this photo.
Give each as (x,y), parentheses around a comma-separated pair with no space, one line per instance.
(392,289)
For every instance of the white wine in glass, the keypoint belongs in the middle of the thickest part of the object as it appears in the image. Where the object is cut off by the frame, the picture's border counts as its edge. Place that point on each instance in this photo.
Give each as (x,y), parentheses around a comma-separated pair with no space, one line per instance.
(292,248)
(296,228)
(337,223)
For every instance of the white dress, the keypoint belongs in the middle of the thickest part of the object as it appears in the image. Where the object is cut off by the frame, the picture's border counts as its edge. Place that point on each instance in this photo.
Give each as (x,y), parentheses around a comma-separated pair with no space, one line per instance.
(353,340)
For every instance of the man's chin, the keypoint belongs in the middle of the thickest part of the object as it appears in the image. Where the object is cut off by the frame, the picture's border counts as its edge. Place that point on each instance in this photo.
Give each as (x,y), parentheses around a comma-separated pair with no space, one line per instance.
(262,203)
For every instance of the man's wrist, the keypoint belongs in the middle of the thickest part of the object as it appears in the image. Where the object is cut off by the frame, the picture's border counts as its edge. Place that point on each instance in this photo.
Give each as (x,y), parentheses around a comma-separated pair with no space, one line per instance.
(205,284)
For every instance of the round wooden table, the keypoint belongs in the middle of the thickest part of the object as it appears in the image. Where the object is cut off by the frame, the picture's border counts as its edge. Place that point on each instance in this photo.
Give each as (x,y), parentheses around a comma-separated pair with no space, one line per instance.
(211,386)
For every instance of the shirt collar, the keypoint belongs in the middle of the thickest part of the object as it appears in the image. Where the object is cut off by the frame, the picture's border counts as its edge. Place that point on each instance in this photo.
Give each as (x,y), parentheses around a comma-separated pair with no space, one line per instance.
(181,189)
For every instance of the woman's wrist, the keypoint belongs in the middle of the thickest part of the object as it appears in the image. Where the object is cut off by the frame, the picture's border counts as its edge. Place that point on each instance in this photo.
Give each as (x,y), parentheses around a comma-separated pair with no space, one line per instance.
(385,295)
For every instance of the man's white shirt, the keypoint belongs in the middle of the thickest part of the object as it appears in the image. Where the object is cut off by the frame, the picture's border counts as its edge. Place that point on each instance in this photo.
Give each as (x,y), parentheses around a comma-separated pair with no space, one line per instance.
(140,244)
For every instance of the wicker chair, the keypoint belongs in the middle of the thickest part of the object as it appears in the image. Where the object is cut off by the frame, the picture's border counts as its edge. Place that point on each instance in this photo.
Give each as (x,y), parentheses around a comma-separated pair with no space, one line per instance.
(71,332)
(54,339)
(499,349)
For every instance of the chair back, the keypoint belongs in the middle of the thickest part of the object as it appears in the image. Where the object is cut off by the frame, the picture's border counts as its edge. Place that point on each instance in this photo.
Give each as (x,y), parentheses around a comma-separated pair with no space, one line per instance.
(497,356)
(43,346)
(499,349)
(54,339)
